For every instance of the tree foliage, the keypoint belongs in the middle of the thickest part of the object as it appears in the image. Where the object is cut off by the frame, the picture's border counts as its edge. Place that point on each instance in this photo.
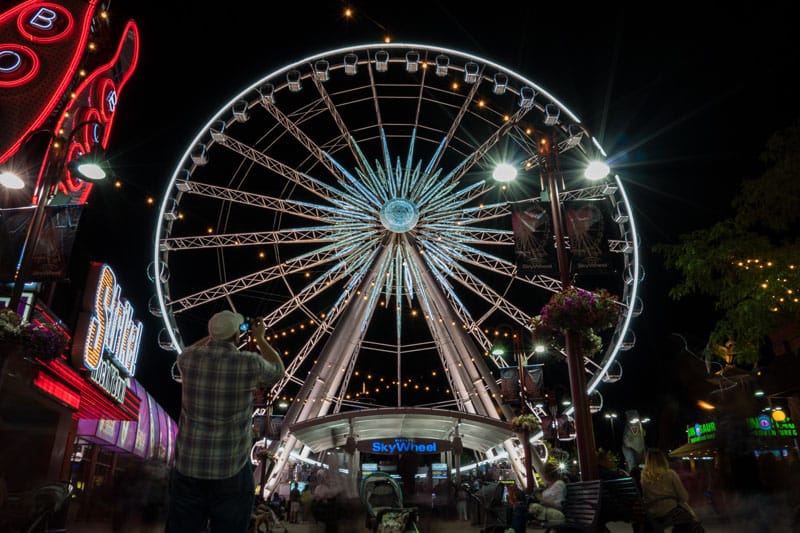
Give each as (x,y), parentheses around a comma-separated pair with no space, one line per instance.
(749,264)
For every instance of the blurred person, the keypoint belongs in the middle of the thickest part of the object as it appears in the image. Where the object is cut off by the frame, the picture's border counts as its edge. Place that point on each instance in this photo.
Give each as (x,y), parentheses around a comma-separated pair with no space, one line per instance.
(211,483)
(666,499)
(608,465)
(633,442)
(324,501)
(461,502)
(305,504)
(550,497)
(294,504)
(518,501)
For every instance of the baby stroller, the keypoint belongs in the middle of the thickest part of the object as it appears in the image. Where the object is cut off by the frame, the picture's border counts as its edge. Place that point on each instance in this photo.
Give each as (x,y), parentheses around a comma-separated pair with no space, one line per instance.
(495,512)
(265,520)
(383,499)
(41,509)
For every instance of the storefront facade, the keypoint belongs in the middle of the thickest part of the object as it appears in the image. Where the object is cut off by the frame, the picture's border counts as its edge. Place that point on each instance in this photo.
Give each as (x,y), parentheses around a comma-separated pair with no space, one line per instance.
(80,419)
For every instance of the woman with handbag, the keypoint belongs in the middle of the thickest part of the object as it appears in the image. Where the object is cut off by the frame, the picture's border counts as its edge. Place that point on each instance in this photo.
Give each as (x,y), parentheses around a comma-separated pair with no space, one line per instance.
(666,498)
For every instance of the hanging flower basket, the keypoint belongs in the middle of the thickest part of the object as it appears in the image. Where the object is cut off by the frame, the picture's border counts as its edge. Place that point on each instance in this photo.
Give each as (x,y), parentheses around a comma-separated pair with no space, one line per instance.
(33,340)
(527,423)
(578,311)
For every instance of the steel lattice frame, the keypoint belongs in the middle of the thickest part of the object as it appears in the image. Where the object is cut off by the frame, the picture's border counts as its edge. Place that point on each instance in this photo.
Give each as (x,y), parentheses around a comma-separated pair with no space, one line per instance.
(364,175)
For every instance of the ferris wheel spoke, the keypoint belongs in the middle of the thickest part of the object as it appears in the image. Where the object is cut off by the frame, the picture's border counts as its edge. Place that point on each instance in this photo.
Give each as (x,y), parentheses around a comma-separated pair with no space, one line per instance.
(480,151)
(316,212)
(326,326)
(326,280)
(319,188)
(472,215)
(465,105)
(285,236)
(445,205)
(298,264)
(337,118)
(491,296)
(302,138)
(485,236)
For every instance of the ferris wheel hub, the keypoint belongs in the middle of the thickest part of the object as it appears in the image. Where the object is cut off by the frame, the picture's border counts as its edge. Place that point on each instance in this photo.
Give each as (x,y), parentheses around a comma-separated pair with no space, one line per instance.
(399,215)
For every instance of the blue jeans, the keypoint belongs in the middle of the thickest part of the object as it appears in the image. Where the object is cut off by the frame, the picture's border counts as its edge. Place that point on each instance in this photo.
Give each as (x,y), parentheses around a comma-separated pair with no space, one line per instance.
(213,505)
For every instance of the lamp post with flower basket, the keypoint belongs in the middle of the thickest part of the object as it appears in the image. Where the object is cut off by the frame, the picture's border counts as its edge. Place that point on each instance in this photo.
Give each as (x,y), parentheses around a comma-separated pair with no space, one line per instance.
(524,425)
(564,313)
(570,321)
(580,337)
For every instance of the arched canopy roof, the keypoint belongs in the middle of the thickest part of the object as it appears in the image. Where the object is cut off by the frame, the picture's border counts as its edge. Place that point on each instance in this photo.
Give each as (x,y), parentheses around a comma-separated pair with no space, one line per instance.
(477,432)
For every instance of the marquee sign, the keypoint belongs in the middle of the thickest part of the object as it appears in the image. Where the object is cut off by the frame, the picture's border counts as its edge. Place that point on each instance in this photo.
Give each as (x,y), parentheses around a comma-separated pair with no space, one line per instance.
(107,337)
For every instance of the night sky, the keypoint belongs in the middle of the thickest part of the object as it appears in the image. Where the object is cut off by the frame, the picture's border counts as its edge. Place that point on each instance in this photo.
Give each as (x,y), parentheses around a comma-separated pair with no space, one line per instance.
(682,102)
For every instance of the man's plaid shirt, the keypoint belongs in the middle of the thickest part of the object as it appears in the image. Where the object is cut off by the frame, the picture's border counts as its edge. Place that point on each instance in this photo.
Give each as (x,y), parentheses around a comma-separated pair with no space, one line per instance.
(215,429)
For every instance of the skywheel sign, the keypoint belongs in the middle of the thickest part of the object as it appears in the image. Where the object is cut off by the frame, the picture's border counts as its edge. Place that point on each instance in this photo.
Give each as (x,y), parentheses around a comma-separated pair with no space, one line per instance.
(401,445)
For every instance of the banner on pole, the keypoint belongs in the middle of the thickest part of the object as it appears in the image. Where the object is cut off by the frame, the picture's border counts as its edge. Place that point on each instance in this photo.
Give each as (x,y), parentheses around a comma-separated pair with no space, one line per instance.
(586,225)
(533,239)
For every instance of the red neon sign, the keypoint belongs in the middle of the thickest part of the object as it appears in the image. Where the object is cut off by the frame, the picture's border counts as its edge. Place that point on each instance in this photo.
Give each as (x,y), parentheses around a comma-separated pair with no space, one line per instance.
(41,46)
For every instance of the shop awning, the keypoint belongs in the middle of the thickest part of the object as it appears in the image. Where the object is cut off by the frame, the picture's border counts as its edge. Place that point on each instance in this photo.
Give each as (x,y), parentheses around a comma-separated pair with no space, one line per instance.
(706,447)
(477,432)
(151,435)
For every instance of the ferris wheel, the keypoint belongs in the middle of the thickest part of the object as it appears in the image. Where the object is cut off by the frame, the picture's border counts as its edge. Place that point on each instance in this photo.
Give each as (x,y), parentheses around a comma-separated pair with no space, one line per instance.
(350,199)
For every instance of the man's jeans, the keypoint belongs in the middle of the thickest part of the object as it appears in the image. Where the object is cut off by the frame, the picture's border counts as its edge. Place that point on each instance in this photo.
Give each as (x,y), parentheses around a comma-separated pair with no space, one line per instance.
(213,505)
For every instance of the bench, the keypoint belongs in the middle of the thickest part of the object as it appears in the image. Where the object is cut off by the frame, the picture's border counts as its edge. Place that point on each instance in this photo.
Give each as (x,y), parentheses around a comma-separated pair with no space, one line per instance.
(581,509)
(621,501)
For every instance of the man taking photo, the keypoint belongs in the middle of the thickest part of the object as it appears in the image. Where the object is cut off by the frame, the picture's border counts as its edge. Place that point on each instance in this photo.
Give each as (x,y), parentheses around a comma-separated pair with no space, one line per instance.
(211,483)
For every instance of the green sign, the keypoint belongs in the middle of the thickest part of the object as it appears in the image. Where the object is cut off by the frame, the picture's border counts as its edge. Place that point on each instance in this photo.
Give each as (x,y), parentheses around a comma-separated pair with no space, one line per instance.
(761,426)
(701,432)
(766,426)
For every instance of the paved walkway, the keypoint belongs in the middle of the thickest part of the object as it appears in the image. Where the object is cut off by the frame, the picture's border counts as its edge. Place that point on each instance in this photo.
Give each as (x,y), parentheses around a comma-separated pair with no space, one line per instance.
(439,521)
(430,522)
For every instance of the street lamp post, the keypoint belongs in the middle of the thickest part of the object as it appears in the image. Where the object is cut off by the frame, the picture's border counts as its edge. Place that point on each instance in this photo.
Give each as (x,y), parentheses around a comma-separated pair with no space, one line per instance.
(55,166)
(584,430)
(611,417)
(49,180)
(519,360)
(519,356)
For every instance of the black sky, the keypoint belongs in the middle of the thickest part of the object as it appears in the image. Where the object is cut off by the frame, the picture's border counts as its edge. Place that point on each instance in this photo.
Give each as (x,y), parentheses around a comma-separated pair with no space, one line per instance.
(682,101)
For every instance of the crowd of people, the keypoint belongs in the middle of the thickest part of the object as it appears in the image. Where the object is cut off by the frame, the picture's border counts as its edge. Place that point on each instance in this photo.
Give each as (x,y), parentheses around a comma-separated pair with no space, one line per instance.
(211,482)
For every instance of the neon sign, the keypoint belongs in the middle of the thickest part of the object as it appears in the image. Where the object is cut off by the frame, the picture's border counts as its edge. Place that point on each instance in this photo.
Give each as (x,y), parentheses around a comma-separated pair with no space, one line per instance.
(701,432)
(766,426)
(107,337)
(42,47)
(760,426)
(404,446)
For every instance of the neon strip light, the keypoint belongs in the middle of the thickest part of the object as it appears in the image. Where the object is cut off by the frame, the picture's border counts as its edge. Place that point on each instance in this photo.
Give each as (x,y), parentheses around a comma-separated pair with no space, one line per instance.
(57,390)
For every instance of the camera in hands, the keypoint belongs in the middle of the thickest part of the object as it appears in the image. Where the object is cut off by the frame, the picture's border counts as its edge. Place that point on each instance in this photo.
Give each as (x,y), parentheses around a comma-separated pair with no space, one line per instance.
(249,323)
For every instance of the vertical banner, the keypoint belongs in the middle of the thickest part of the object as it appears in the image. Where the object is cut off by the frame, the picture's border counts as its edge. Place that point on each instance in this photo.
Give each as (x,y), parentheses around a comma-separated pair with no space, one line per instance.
(586,222)
(53,247)
(533,239)
(510,383)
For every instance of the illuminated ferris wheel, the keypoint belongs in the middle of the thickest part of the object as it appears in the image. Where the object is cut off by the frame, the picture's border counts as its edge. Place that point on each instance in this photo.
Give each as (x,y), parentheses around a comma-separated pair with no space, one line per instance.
(349,199)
